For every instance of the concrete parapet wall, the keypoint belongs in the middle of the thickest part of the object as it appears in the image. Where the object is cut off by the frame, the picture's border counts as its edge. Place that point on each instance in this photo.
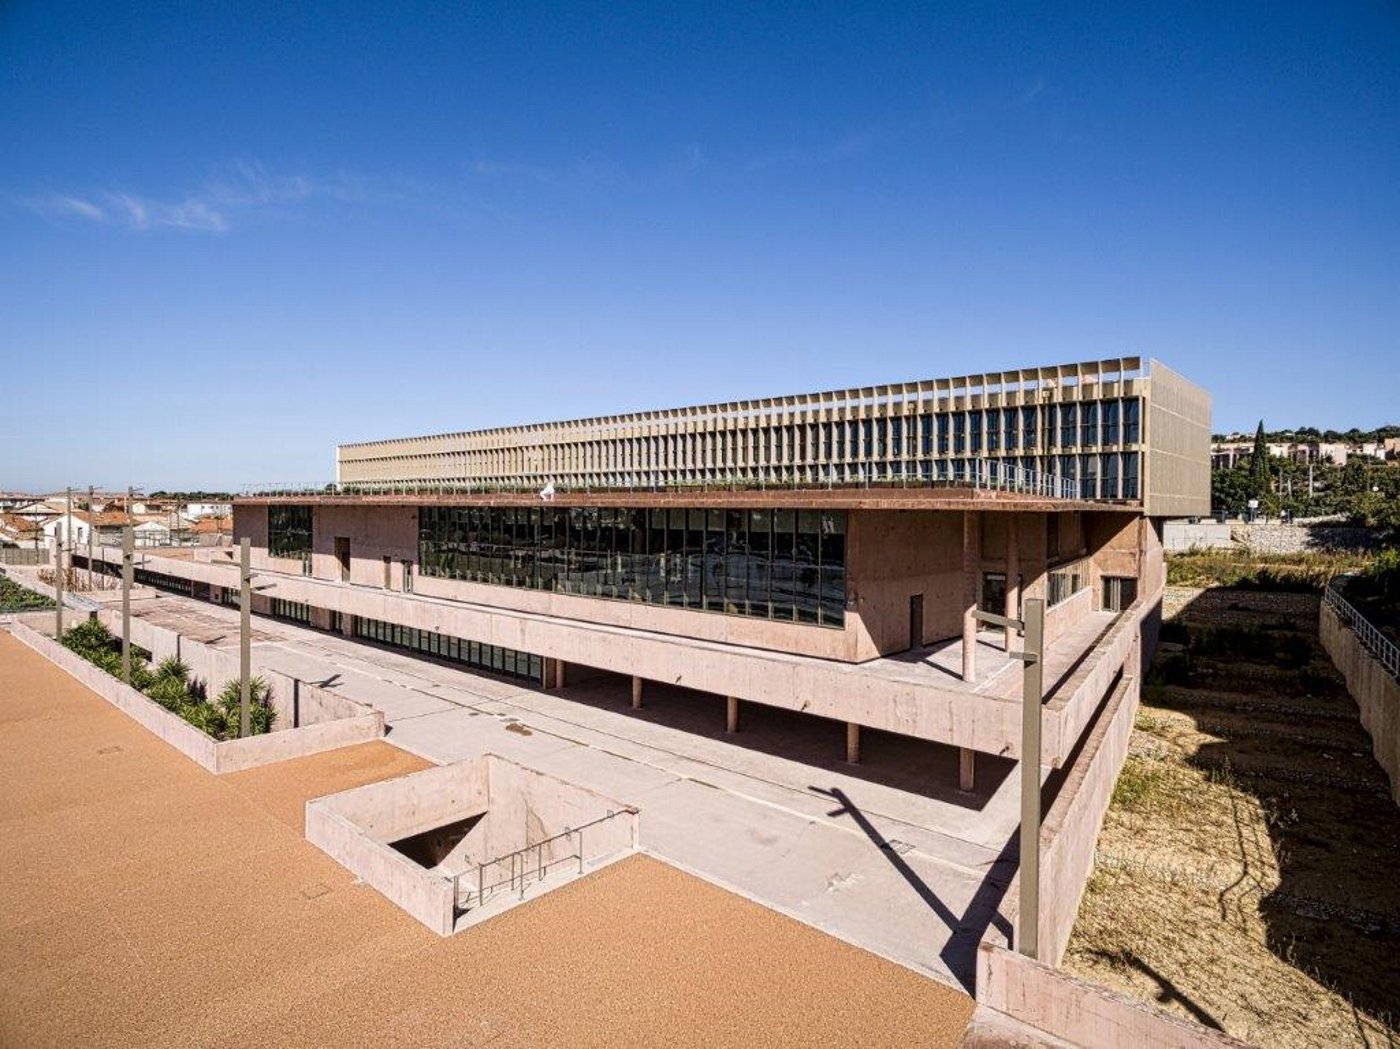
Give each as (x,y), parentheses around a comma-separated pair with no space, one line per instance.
(518,808)
(298,703)
(1376,692)
(1071,827)
(215,755)
(1070,713)
(1062,618)
(1079,1012)
(425,896)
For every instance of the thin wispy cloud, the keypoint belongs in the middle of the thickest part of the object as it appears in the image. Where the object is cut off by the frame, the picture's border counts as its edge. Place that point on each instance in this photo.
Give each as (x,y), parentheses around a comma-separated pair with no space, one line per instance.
(234,192)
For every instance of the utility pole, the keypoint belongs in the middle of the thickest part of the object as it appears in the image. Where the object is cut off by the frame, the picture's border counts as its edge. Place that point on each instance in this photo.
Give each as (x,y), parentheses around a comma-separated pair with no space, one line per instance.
(128,571)
(58,578)
(91,529)
(245,655)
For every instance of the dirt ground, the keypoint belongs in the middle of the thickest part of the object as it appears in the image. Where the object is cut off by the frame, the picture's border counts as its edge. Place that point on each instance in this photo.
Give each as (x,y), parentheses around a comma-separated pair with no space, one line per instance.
(148,903)
(1246,872)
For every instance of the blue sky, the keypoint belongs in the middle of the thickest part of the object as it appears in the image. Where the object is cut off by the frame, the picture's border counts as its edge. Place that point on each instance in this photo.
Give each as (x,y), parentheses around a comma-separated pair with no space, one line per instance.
(234,234)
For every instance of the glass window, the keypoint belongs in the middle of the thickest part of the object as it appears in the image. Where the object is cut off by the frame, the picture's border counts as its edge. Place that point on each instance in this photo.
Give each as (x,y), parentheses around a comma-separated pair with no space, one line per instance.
(1110,422)
(1069,426)
(781,563)
(1132,420)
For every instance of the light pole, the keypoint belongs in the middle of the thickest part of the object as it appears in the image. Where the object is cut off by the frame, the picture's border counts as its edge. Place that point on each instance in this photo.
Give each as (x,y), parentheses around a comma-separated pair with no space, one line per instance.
(245,654)
(1031,626)
(128,572)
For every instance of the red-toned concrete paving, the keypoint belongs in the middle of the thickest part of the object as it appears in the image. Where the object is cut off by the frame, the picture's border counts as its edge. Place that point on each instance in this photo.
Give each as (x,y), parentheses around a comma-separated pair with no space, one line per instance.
(149,903)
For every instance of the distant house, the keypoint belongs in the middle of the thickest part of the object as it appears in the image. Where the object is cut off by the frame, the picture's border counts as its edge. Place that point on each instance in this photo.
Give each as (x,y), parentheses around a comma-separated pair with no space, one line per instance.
(106,528)
(38,510)
(195,511)
(20,531)
(210,531)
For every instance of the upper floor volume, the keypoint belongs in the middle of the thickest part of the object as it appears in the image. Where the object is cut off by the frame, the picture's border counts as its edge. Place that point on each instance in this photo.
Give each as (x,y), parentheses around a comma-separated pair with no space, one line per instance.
(1116,430)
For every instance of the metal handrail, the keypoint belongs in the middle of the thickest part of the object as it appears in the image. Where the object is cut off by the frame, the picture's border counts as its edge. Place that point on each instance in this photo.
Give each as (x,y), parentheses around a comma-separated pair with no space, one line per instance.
(519,865)
(992,474)
(1381,647)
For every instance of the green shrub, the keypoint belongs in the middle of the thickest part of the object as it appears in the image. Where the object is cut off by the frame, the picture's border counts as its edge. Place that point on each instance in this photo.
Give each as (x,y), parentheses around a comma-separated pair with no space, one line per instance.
(88,638)
(169,691)
(173,667)
(16,598)
(261,714)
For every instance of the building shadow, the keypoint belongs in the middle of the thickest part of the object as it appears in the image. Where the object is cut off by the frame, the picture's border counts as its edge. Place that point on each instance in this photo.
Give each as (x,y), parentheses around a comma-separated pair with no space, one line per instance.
(966,929)
(916,766)
(1290,741)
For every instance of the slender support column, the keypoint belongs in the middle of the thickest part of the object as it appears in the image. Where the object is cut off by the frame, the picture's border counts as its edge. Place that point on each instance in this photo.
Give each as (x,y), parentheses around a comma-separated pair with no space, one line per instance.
(560,672)
(852,743)
(1013,575)
(971,565)
(731,721)
(128,577)
(636,692)
(967,765)
(245,630)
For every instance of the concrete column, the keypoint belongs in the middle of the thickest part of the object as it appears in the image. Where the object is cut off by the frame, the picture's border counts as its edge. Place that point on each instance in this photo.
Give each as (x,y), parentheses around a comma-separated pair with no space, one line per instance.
(636,692)
(852,743)
(967,760)
(731,722)
(971,567)
(1013,576)
(559,666)
(347,624)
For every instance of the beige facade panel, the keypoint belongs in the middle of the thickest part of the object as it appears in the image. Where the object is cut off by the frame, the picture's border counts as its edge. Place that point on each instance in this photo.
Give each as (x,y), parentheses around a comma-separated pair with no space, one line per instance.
(1086,426)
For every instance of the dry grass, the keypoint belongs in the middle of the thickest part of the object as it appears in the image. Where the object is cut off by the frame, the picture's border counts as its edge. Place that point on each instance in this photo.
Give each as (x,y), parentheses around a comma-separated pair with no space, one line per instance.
(1245,873)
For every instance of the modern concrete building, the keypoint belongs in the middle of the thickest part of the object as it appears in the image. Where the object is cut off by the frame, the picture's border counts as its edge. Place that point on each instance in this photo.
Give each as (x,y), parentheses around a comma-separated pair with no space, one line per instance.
(821,553)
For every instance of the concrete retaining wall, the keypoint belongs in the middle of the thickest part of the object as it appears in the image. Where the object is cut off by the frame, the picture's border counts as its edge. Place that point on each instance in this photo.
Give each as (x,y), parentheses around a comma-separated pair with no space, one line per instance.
(1079,1012)
(519,807)
(216,756)
(1377,694)
(1268,537)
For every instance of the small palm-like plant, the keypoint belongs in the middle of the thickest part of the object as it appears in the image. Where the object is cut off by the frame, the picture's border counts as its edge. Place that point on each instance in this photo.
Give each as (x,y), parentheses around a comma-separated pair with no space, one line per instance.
(261,714)
(174,668)
(169,691)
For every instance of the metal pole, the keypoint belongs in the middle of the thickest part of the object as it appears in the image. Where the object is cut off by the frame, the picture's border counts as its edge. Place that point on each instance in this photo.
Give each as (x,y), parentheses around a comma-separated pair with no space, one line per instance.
(128,571)
(58,575)
(1032,687)
(245,656)
(91,585)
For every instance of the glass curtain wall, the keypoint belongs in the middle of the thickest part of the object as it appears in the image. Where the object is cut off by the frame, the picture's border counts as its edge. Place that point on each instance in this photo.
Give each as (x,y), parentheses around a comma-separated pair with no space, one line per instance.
(771,564)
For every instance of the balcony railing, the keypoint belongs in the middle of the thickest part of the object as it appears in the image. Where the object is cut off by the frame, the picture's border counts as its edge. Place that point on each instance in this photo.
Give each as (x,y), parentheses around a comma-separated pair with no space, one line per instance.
(978,474)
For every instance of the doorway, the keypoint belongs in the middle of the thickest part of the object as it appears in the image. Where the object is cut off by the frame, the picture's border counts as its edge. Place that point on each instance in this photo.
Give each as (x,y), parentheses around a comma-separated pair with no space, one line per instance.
(916,621)
(342,554)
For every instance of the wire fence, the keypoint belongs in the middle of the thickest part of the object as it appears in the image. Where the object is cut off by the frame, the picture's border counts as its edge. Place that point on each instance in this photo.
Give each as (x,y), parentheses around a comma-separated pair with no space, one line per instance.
(1370,636)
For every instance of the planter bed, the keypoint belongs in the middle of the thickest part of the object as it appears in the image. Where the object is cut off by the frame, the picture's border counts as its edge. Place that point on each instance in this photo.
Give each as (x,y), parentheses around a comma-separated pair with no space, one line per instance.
(215,755)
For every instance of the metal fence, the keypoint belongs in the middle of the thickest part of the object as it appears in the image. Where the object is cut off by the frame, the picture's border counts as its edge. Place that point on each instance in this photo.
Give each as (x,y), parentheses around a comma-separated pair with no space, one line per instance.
(1380,646)
(980,474)
(514,871)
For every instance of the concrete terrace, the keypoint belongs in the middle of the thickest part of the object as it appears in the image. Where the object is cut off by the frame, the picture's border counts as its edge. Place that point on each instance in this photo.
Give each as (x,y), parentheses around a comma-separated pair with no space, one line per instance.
(887,854)
(922,691)
(150,903)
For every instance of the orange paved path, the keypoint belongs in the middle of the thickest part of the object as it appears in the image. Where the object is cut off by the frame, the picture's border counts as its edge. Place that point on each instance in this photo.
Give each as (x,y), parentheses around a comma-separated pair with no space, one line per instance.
(147,902)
